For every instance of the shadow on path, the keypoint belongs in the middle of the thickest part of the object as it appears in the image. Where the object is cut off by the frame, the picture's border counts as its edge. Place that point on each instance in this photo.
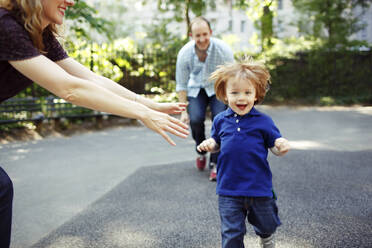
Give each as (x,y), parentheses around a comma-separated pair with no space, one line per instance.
(324,201)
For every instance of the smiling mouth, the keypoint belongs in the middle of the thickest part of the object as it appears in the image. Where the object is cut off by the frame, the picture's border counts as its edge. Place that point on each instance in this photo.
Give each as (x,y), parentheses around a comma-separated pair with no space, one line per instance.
(241,106)
(62,11)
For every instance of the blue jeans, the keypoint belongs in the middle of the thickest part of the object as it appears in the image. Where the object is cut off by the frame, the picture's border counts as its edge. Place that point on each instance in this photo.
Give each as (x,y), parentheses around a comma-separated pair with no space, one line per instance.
(6,199)
(197,109)
(261,213)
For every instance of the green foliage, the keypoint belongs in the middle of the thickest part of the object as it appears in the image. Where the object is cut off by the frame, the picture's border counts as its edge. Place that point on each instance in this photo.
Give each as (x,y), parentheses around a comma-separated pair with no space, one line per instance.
(96,56)
(262,14)
(333,21)
(15,126)
(84,15)
(181,9)
(324,78)
(303,69)
(198,7)
(163,46)
(139,66)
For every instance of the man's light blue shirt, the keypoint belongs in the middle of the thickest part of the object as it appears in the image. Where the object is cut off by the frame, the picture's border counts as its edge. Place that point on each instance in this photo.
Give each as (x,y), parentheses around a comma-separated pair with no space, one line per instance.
(192,74)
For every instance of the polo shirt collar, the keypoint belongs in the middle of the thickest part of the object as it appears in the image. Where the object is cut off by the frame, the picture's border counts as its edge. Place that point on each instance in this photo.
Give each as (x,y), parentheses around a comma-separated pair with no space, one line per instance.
(253,112)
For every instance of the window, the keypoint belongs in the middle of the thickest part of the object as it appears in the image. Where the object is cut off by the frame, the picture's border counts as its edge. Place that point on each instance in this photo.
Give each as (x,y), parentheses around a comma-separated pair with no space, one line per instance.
(230,28)
(280,4)
(242,26)
(363,33)
(213,23)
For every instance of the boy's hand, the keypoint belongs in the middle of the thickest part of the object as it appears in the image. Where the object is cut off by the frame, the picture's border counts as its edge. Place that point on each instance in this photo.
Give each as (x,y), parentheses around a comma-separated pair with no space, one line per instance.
(281,147)
(208,145)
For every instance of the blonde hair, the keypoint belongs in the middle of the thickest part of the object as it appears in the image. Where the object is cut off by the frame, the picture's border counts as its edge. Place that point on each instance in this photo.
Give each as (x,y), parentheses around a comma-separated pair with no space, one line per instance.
(254,72)
(30,12)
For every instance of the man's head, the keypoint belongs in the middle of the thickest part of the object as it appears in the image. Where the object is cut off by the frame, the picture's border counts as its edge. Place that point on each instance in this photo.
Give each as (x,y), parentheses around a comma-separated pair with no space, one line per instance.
(201,32)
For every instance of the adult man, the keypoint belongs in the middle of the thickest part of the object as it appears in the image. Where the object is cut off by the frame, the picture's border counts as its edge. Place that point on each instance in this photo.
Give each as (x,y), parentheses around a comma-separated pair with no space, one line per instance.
(195,62)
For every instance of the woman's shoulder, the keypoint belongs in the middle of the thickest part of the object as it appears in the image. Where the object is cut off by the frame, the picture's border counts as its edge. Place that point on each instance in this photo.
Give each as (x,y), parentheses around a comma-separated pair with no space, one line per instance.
(9,25)
(3,12)
(8,17)
(15,42)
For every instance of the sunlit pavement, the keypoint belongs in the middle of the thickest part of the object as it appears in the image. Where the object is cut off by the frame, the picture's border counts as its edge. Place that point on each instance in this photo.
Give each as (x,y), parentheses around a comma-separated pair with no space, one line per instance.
(126,187)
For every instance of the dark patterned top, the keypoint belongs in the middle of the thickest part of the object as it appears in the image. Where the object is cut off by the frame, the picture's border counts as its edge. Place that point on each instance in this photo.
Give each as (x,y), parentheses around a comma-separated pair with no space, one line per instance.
(16,44)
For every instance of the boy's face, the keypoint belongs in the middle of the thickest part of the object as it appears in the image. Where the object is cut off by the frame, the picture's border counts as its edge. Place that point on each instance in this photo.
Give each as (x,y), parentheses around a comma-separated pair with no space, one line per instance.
(240,95)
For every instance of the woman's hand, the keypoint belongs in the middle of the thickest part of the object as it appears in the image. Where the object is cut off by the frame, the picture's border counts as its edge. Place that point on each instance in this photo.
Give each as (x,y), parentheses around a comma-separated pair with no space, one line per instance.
(208,145)
(162,123)
(171,108)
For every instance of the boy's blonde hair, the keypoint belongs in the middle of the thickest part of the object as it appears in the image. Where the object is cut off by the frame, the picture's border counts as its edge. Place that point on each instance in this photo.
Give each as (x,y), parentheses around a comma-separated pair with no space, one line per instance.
(254,72)
(30,13)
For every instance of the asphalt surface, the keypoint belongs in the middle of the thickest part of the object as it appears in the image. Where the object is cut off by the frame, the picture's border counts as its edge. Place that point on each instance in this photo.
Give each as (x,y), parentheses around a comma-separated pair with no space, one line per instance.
(126,187)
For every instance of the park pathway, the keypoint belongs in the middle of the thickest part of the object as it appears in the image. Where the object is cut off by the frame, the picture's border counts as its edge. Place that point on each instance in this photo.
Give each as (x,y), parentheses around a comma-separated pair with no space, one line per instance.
(126,187)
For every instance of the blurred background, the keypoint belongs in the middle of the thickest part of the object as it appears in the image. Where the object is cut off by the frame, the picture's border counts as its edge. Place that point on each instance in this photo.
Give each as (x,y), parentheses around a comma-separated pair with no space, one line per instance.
(318,51)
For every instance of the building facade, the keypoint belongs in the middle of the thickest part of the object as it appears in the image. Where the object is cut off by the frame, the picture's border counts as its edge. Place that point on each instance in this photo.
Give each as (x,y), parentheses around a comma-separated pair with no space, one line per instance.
(231,24)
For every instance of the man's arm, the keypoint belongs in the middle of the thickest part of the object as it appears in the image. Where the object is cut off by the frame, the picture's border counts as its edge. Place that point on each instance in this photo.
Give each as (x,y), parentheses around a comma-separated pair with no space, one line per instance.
(182,97)
(182,78)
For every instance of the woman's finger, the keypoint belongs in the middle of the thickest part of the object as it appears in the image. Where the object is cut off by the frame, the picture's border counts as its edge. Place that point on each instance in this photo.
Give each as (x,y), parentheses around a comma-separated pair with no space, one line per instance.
(182,106)
(172,130)
(179,123)
(179,129)
(166,137)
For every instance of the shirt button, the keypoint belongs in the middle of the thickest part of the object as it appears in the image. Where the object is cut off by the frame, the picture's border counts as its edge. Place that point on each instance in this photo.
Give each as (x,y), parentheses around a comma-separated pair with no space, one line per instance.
(235,115)
(237,121)
(238,129)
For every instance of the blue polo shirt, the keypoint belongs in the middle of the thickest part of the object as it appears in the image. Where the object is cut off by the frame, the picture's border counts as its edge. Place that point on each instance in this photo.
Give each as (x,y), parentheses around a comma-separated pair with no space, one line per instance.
(243,169)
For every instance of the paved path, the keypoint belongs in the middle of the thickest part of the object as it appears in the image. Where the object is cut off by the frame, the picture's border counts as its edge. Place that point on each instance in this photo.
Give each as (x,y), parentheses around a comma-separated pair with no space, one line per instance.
(126,187)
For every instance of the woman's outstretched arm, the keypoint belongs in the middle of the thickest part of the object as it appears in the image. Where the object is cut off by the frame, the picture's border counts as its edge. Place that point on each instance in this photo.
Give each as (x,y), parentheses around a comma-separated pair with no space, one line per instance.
(93,95)
(73,67)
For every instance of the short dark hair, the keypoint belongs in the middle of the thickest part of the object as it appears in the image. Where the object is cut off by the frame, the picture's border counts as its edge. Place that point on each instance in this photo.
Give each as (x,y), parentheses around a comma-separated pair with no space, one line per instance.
(199,19)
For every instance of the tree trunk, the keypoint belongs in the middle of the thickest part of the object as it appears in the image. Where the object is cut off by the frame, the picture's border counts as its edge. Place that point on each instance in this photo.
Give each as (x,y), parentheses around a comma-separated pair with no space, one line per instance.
(266,27)
(187,17)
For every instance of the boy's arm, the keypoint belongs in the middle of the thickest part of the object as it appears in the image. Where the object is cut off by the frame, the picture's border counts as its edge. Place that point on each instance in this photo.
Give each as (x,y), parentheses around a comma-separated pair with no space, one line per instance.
(281,147)
(208,145)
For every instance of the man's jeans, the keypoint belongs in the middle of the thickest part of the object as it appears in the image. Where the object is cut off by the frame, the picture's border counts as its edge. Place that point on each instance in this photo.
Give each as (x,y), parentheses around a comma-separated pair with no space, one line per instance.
(261,213)
(6,199)
(197,109)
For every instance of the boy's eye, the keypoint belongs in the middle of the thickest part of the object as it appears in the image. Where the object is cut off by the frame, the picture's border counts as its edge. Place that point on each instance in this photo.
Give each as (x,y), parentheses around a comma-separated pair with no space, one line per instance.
(248,92)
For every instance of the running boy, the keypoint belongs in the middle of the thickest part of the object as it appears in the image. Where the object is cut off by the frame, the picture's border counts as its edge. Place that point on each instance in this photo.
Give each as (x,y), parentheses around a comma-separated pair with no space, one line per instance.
(243,136)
